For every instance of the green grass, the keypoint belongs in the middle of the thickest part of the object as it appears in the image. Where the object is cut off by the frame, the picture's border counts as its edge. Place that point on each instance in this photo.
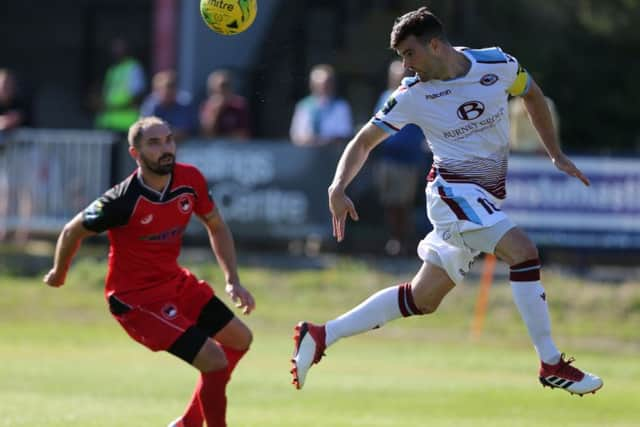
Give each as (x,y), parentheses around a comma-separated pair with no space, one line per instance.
(65,362)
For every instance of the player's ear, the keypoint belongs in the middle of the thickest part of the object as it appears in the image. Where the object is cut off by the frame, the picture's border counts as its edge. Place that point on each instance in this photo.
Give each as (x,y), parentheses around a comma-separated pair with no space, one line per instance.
(133,152)
(434,44)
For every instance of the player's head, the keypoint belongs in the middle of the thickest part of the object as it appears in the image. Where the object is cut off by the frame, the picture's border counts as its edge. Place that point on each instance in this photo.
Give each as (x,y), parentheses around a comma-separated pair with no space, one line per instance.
(419,39)
(322,80)
(152,145)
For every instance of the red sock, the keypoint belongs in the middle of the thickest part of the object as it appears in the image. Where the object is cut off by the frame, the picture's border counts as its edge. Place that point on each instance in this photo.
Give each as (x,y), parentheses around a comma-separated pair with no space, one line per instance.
(194,416)
(213,397)
(233,357)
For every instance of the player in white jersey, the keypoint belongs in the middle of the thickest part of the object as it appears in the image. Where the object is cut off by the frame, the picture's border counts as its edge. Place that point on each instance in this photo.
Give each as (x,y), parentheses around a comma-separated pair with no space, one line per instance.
(458,97)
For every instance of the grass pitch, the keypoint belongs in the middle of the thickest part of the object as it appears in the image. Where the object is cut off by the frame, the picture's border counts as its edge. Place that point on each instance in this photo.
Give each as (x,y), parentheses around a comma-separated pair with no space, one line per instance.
(65,362)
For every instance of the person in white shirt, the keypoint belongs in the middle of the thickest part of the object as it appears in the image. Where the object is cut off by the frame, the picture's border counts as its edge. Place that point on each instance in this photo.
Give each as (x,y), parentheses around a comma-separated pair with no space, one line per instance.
(458,97)
(321,118)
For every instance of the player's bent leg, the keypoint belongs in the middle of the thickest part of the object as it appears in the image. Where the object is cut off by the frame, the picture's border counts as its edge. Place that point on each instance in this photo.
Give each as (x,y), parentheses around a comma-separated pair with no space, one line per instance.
(310,340)
(520,253)
(202,352)
(209,399)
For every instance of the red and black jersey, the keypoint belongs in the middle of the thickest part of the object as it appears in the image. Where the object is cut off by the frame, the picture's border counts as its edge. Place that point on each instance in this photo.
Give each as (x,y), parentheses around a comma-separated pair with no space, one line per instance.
(145,231)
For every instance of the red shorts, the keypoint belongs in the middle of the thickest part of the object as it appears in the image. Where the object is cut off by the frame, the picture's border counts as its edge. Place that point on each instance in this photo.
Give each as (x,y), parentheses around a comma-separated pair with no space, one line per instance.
(158,324)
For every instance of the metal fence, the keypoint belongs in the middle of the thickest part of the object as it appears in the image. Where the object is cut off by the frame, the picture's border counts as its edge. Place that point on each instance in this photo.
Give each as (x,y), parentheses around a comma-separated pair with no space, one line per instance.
(48,175)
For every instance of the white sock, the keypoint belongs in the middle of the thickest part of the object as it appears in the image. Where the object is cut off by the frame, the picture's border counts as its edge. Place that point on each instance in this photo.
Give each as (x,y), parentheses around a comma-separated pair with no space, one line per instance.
(380,308)
(530,299)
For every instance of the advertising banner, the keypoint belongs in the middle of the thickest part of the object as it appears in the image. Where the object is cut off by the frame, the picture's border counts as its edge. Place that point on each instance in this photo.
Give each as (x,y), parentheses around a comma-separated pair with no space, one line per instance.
(267,189)
(558,210)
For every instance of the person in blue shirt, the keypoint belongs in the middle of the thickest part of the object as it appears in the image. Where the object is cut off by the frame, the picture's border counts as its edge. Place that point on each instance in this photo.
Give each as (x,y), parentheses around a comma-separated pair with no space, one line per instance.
(173,106)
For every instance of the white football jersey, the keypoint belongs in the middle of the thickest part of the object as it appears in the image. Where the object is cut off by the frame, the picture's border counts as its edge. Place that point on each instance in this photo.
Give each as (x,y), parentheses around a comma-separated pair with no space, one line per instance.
(465,120)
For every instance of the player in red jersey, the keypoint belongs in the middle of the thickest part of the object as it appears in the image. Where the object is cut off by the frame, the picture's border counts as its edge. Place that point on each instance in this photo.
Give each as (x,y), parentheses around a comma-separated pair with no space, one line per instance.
(160,304)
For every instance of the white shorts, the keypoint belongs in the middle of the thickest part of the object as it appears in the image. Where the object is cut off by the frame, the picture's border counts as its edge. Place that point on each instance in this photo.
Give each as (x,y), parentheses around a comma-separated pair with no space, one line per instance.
(466,220)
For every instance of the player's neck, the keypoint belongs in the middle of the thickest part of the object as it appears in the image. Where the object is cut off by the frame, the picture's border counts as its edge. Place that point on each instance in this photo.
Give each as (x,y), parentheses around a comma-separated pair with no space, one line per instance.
(153,180)
(455,64)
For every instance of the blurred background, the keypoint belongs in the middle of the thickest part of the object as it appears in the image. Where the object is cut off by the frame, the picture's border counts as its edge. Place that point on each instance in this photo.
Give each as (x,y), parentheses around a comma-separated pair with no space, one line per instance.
(232,102)
(73,82)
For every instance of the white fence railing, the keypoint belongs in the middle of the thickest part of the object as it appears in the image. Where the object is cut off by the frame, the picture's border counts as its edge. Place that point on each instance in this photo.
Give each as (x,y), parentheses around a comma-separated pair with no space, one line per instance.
(48,175)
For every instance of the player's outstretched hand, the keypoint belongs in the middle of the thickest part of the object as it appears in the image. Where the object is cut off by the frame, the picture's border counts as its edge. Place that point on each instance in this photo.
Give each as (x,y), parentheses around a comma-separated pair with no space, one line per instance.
(241,297)
(563,163)
(339,205)
(54,278)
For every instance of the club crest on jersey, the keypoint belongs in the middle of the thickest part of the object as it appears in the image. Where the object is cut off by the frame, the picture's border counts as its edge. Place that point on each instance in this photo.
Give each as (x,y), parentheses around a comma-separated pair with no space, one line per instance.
(169,311)
(184,204)
(146,219)
(488,79)
(470,110)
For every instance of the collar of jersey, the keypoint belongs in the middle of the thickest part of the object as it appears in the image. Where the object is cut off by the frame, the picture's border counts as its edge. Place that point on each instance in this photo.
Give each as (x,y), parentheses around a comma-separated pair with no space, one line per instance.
(159,195)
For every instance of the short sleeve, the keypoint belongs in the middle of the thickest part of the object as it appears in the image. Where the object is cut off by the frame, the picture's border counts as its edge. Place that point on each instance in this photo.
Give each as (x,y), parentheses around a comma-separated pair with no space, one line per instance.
(396,111)
(204,202)
(516,77)
(108,211)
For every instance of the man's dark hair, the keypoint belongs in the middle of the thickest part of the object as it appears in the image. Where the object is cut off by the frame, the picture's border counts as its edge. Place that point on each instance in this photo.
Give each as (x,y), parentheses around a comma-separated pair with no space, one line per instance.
(420,23)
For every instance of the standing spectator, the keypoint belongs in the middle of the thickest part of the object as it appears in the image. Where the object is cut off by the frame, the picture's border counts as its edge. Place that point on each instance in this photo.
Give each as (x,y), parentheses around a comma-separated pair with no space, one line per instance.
(321,118)
(14,112)
(397,172)
(123,88)
(224,114)
(173,106)
(13,109)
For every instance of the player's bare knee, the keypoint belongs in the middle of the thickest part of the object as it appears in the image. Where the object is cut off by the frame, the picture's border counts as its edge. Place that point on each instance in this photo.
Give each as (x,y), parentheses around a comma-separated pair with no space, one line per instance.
(526,252)
(245,340)
(249,339)
(211,364)
(210,358)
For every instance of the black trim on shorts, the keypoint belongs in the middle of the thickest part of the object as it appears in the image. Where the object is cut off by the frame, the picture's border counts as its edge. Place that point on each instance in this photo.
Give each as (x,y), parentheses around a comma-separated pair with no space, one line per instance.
(187,346)
(214,316)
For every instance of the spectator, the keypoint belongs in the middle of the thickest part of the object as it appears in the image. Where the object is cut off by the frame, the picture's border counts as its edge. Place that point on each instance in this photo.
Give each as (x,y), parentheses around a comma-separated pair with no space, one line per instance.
(397,172)
(321,118)
(14,112)
(224,114)
(123,88)
(13,109)
(169,104)
(523,136)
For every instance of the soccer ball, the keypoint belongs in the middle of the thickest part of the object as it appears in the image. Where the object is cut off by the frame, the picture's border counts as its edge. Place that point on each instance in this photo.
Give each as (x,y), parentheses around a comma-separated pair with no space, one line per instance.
(228,17)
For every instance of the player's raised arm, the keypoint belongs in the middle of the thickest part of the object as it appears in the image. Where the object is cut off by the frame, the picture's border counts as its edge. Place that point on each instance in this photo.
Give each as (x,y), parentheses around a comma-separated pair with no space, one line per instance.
(223,247)
(538,110)
(351,161)
(68,243)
